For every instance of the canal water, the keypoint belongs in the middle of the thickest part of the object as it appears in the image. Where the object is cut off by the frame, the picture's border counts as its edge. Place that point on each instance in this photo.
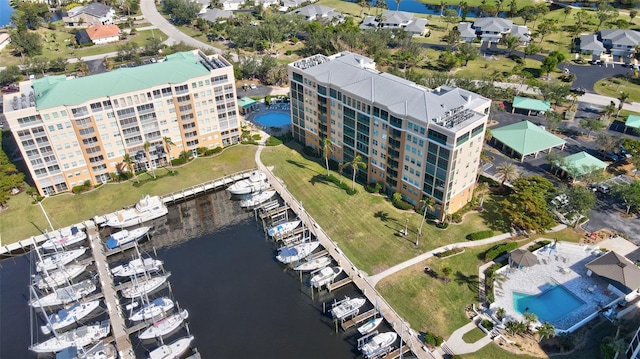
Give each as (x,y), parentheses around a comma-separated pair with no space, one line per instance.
(241,302)
(5,13)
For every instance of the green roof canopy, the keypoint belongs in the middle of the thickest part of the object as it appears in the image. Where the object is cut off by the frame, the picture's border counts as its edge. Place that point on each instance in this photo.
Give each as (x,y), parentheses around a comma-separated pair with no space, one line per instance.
(531,104)
(633,121)
(526,138)
(246,102)
(581,163)
(52,91)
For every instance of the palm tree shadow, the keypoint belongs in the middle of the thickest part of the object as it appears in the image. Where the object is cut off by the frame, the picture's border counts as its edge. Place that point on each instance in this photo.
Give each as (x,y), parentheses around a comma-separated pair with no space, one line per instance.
(472,281)
(296,163)
(384,216)
(319,179)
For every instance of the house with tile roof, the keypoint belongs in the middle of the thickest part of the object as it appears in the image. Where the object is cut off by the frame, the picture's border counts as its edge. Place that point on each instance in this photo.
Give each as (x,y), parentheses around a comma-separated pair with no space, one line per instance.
(620,42)
(396,20)
(103,34)
(94,13)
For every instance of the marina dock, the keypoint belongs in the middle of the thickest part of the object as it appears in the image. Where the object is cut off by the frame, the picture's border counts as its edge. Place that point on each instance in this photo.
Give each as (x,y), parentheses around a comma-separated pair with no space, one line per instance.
(359,319)
(118,328)
(359,278)
(339,284)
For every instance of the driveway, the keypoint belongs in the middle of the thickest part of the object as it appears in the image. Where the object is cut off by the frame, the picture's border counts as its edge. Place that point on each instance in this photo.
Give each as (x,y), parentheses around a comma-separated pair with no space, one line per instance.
(608,214)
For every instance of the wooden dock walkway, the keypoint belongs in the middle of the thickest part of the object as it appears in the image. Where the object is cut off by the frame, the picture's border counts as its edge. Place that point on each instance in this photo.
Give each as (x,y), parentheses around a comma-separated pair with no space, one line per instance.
(398,352)
(359,319)
(339,284)
(118,328)
(214,185)
(359,278)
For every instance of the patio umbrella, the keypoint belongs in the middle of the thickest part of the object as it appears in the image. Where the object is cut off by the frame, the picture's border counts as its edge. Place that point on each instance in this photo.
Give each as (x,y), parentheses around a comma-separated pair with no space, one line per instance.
(524,258)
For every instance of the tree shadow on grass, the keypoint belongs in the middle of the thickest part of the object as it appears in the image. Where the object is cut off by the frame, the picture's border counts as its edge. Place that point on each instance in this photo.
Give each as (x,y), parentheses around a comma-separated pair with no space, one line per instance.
(319,179)
(493,215)
(296,163)
(472,281)
(384,216)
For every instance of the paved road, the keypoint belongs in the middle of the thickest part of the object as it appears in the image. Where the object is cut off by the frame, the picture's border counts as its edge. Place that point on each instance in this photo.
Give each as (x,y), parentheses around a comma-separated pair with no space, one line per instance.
(608,214)
(148,8)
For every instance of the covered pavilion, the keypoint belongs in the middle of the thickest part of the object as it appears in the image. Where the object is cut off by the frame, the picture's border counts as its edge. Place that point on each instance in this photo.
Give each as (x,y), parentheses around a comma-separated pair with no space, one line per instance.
(579,164)
(633,121)
(247,104)
(529,104)
(526,138)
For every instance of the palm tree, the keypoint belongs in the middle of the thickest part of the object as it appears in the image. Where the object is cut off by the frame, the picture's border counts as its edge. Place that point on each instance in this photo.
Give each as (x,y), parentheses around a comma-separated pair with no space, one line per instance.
(327,148)
(501,312)
(529,318)
(428,205)
(398,5)
(546,330)
(485,158)
(356,164)
(622,98)
(167,146)
(148,155)
(129,163)
(341,167)
(507,171)
(363,4)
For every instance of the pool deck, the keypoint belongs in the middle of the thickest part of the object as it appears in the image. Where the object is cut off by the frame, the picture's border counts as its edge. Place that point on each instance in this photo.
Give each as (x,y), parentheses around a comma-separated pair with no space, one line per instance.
(564,265)
(262,109)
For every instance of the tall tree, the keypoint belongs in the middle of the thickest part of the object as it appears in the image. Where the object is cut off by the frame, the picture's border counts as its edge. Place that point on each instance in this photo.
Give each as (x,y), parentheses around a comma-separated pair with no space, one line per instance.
(546,330)
(327,149)
(526,207)
(546,27)
(510,42)
(554,91)
(507,172)
(605,13)
(168,144)
(632,14)
(428,205)
(513,8)
(452,38)
(468,52)
(566,11)
(356,164)
(623,97)
(592,124)
(629,194)
(147,154)
(128,161)
(398,4)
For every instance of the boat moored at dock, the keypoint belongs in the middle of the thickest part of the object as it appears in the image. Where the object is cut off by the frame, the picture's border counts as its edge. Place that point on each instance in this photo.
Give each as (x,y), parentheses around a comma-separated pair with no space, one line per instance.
(313,264)
(254,199)
(147,209)
(157,307)
(63,238)
(347,307)
(58,277)
(56,260)
(164,326)
(79,337)
(369,326)
(65,317)
(379,344)
(325,276)
(136,266)
(255,183)
(65,295)
(293,254)
(124,237)
(283,228)
(144,286)
(173,350)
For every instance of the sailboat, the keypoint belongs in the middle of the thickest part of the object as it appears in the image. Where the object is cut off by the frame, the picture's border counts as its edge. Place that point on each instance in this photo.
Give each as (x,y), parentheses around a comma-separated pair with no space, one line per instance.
(63,238)
(136,266)
(58,277)
(124,237)
(173,350)
(283,228)
(144,286)
(56,260)
(164,326)
(297,252)
(79,337)
(157,307)
(65,295)
(67,316)
(313,264)
(148,208)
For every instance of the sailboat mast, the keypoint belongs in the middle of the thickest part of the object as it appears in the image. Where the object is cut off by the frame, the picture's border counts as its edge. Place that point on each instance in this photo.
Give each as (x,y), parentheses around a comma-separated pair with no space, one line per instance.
(45,215)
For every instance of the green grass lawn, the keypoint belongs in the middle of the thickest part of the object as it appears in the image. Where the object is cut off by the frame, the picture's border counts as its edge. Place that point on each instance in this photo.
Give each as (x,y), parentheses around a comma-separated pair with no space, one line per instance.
(494,351)
(22,219)
(612,87)
(473,335)
(365,226)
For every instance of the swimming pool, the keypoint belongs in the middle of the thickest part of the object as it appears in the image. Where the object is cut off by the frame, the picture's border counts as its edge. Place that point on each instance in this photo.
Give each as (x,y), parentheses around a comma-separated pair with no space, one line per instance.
(274,119)
(549,305)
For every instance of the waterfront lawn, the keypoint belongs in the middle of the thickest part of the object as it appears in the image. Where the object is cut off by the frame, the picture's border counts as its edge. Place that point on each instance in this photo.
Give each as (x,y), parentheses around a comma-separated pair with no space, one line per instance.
(22,218)
(431,304)
(494,351)
(364,225)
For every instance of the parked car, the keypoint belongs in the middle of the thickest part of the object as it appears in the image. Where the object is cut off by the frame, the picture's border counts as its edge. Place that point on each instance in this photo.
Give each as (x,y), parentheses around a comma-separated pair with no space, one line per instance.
(624,153)
(610,156)
(253,86)
(603,188)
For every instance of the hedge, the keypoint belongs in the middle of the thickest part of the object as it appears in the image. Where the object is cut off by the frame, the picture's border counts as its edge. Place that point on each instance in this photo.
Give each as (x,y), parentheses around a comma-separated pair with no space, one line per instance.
(346,187)
(433,339)
(449,252)
(403,205)
(499,250)
(538,245)
(480,235)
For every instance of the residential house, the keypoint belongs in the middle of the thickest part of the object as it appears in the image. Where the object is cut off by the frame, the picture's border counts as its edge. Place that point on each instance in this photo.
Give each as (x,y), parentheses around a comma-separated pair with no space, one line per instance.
(216,15)
(72,130)
(103,34)
(590,45)
(396,20)
(492,29)
(420,142)
(94,13)
(231,5)
(320,13)
(290,4)
(467,32)
(620,42)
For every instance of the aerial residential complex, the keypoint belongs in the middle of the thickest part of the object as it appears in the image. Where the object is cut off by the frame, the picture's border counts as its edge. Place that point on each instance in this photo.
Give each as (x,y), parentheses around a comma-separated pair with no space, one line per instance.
(72,130)
(416,141)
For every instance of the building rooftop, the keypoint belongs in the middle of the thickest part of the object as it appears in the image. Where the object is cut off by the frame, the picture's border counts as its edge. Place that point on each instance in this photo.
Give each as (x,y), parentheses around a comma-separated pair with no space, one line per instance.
(52,91)
(526,138)
(581,163)
(356,74)
(96,32)
(95,9)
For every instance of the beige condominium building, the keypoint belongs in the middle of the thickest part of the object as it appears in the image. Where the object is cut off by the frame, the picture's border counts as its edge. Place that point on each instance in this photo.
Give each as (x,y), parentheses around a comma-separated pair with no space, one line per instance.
(72,130)
(416,141)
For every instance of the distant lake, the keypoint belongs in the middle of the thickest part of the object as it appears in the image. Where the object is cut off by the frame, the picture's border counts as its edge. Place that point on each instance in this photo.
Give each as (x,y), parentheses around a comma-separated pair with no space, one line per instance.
(417,7)
(5,12)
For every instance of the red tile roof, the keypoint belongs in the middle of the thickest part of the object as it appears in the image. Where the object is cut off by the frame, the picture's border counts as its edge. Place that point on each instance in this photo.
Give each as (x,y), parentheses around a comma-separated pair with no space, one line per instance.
(96,32)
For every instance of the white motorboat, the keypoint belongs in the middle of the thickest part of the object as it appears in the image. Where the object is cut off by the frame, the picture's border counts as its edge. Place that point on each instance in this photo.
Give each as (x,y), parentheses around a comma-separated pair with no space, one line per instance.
(65,317)
(252,200)
(157,307)
(148,208)
(59,259)
(79,337)
(137,266)
(144,286)
(255,183)
(65,295)
(283,228)
(369,326)
(58,277)
(379,344)
(164,326)
(123,237)
(297,252)
(99,351)
(63,238)
(325,276)
(346,307)
(315,263)
(173,350)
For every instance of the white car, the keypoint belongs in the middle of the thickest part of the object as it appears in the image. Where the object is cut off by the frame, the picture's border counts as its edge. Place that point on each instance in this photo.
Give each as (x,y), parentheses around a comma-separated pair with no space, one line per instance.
(253,86)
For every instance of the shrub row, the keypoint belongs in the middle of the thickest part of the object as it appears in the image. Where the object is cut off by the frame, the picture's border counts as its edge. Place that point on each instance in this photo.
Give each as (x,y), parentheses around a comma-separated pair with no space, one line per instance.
(480,235)
(499,250)
(538,245)
(433,339)
(333,179)
(449,252)
(404,205)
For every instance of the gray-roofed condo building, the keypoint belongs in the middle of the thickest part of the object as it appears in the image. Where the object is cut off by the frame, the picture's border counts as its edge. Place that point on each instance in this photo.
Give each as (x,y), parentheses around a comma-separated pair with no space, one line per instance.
(72,130)
(416,141)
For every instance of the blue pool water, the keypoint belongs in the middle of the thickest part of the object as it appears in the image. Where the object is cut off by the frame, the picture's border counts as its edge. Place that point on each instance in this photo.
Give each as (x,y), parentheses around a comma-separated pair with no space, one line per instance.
(5,12)
(549,306)
(273,119)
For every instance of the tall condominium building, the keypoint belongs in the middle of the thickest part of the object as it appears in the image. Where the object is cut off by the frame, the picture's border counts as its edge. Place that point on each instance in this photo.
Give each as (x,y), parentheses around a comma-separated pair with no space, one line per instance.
(416,141)
(72,130)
